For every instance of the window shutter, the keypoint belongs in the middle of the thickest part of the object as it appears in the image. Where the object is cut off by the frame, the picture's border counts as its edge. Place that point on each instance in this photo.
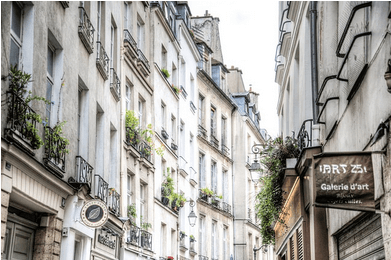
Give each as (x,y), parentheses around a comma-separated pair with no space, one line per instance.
(300,251)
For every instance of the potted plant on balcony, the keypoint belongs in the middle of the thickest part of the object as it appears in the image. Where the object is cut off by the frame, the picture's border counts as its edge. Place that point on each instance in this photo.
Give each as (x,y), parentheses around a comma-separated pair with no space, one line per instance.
(132,213)
(192,238)
(167,188)
(216,200)
(131,124)
(206,193)
(170,257)
(176,89)
(181,200)
(55,143)
(165,73)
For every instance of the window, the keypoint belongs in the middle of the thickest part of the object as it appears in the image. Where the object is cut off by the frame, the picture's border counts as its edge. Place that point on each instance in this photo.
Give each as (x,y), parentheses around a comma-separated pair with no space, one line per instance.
(50,82)
(200,110)
(163,240)
(164,58)
(250,247)
(127,96)
(16,34)
(225,243)
(182,138)
(223,131)
(141,112)
(213,121)
(140,33)
(77,254)
(142,203)
(112,46)
(192,87)
(99,15)
(214,176)
(173,128)
(129,188)
(163,115)
(79,119)
(174,74)
(183,74)
(99,140)
(173,242)
(201,242)
(215,248)
(201,170)
(225,186)
(113,156)
(127,18)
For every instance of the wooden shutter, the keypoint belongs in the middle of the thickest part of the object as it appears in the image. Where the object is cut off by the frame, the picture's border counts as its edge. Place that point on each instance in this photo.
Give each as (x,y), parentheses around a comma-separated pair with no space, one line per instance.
(300,249)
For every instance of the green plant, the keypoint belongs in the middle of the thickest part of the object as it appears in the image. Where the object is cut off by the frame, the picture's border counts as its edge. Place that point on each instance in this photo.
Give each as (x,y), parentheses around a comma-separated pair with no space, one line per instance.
(165,72)
(181,200)
(144,225)
(132,213)
(207,192)
(270,201)
(219,196)
(132,122)
(176,89)
(168,186)
(55,142)
(192,238)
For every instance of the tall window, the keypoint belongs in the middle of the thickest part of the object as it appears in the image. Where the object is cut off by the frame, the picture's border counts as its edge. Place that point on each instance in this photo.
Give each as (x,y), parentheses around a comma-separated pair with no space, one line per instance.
(225,186)
(99,15)
(174,75)
(182,137)
(214,176)
(201,237)
(201,170)
(213,126)
(183,74)
(142,203)
(127,18)
(113,156)
(16,33)
(79,119)
(50,81)
(141,112)
(140,33)
(127,96)
(200,110)
(163,240)
(173,128)
(129,192)
(112,46)
(215,248)
(250,248)
(192,88)
(164,58)
(225,243)
(224,131)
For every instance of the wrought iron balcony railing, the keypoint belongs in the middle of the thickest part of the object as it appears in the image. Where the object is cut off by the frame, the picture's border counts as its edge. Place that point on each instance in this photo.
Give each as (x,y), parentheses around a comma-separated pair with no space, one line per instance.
(214,141)
(132,137)
(145,151)
(304,137)
(101,188)
(226,207)
(203,196)
(55,149)
(114,202)
(115,84)
(202,132)
(224,149)
(201,257)
(83,173)
(142,60)
(102,61)
(86,30)
(133,235)
(130,45)
(146,239)
(19,123)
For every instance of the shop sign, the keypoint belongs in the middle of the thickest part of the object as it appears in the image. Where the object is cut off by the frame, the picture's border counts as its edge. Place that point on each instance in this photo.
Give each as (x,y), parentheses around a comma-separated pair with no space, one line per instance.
(344,180)
(94,213)
(105,240)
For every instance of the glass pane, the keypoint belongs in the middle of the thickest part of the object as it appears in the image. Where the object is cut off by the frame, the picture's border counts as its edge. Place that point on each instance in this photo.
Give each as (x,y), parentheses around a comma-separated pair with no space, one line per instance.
(16,19)
(50,62)
(14,59)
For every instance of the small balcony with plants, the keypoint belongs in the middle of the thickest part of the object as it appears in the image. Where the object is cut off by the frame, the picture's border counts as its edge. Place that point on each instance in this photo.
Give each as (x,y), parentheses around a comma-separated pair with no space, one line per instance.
(86,30)
(182,241)
(176,89)
(114,202)
(145,236)
(192,247)
(55,148)
(102,61)
(164,134)
(133,235)
(84,173)
(169,197)
(101,188)
(115,85)
(143,63)
(130,45)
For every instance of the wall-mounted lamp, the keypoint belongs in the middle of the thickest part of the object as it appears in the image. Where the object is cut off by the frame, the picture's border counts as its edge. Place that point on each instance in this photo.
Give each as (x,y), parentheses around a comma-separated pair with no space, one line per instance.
(255,168)
(257,249)
(192,215)
(387,76)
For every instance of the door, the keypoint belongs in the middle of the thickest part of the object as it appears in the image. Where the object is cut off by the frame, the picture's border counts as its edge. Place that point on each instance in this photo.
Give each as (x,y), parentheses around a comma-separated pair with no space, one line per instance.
(18,242)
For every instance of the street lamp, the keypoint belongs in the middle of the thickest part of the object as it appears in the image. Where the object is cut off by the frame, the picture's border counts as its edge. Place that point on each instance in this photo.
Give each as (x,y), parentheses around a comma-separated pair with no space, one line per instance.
(192,215)
(255,168)
(257,249)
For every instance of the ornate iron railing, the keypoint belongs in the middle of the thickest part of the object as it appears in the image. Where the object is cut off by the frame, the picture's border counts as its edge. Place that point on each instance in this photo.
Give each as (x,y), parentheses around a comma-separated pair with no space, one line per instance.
(132,137)
(102,61)
(133,235)
(202,132)
(115,83)
(224,149)
(83,172)
(101,188)
(19,121)
(214,141)
(86,30)
(128,38)
(143,59)
(203,196)
(304,137)
(146,239)
(226,207)
(114,202)
(145,151)
(55,148)
(201,257)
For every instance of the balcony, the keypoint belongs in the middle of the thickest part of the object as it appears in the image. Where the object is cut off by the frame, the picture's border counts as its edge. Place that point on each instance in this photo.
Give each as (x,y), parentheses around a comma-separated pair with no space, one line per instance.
(143,63)
(164,134)
(114,201)
(83,174)
(182,242)
(203,197)
(20,126)
(201,257)
(224,149)
(183,91)
(226,207)
(130,45)
(145,151)
(102,61)
(132,137)
(86,31)
(202,132)
(101,188)
(115,84)
(193,176)
(146,239)
(55,149)
(183,166)
(192,251)
(214,142)
(133,235)
(192,107)
(304,137)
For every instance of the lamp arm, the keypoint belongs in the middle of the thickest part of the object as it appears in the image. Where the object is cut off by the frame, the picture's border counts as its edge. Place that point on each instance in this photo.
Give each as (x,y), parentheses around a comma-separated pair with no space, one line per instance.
(255,148)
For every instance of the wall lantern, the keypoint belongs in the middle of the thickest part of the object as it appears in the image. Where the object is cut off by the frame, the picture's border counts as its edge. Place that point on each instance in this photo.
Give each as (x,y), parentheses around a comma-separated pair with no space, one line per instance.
(255,168)
(192,215)
(387,76)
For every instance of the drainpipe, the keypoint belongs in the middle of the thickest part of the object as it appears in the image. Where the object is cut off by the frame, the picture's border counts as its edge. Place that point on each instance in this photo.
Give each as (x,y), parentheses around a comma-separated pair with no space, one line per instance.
(314,60)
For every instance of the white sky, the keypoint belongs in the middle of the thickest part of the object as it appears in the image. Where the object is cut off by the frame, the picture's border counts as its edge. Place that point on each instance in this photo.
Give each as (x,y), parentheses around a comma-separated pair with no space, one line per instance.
(249,36)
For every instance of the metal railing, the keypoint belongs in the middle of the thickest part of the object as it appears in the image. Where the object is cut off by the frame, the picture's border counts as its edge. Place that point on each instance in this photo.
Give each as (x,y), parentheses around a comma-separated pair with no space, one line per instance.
(224,149)
(145,150)
(132,137)
(128,38)
(201,257)
(102,61)
(86,30)
(202,132)
(143,59)
(214,141)
(83,172)
(114,202)
(101,188)
(133,235)
(115,83)
(18,119)
(304,137)
(192,106)
(226,207)
(55,148)
(146,239)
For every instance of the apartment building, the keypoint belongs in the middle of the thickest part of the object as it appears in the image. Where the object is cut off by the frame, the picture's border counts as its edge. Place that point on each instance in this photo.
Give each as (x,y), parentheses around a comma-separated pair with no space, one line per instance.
(331,68)
(140,127)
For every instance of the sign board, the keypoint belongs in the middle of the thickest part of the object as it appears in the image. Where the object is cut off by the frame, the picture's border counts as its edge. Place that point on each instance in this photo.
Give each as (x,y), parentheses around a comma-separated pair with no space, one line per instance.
(344,180)
(94,213)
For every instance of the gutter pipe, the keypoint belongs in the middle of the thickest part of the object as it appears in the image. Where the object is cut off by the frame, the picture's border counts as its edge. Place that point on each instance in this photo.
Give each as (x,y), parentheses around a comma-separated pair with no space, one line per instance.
(314,60)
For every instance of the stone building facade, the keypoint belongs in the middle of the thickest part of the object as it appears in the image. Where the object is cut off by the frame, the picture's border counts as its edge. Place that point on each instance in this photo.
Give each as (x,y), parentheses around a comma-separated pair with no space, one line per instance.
(94,62)
(331,64)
